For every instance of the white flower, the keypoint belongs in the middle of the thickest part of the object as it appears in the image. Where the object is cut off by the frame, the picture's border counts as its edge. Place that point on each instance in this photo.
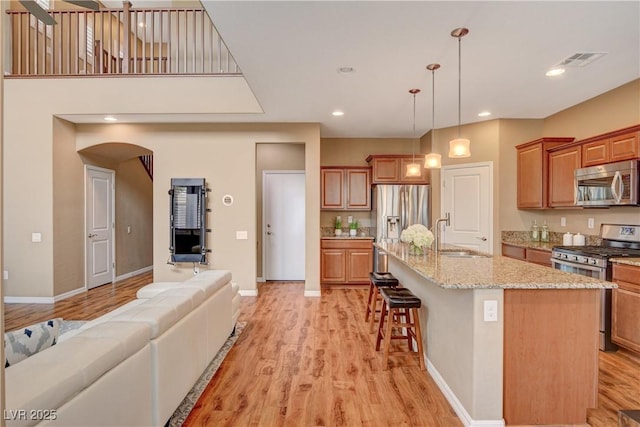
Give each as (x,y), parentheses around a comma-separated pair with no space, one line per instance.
(417,234)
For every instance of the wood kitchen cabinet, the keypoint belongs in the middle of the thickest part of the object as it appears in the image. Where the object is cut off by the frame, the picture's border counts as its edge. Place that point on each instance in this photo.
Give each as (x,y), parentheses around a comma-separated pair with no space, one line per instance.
(625,320)
(345,188)
(562,164)
(533,173)
(390,169)
(613,148)
(346,261)
(536,256)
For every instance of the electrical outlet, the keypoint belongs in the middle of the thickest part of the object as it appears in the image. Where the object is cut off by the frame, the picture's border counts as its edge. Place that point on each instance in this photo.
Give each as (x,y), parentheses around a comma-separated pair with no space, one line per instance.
(5,274)
(491,310)
(590,223)
(36,237)
(241,235)
(563,221)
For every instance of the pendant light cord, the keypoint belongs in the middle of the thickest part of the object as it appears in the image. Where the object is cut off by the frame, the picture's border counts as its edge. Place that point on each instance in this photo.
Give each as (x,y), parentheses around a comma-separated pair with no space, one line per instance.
(459,81)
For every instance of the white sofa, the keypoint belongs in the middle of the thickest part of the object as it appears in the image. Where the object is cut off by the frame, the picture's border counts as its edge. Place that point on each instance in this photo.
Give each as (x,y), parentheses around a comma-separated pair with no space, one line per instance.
(132,366)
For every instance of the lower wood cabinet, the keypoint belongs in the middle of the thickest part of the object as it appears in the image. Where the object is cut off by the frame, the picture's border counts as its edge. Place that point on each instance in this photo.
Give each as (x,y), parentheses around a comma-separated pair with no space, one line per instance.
(536,256)
(626,307)
(346,261)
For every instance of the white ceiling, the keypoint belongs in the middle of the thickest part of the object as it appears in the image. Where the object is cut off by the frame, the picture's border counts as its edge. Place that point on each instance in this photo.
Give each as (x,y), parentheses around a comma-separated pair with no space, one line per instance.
(289,53)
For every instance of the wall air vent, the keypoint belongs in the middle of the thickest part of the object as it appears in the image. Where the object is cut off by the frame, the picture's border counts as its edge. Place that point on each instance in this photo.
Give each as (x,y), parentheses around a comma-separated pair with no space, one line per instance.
(581,59)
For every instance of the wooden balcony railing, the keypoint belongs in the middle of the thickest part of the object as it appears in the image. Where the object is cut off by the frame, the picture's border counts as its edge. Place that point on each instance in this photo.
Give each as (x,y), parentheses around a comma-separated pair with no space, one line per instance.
(118,41)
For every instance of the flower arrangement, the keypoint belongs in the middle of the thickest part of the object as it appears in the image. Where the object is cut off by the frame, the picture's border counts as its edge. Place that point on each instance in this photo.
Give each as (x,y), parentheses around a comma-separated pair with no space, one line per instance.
(418,236)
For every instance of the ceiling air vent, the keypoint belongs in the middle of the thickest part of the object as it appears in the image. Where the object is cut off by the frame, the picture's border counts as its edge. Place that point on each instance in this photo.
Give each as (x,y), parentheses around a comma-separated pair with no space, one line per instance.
(581,59)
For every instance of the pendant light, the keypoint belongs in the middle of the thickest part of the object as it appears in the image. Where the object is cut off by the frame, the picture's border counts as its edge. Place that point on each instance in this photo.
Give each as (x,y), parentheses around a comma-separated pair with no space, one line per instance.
(413,168)
(433,160)
(459,147)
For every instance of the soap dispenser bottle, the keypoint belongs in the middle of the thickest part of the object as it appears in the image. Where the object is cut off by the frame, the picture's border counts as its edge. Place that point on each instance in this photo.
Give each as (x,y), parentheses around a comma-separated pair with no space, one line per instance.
(535,232)
(544,233)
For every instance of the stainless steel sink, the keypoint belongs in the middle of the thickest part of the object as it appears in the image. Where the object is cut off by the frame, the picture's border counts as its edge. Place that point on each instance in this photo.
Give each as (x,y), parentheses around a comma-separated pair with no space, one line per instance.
(463,254)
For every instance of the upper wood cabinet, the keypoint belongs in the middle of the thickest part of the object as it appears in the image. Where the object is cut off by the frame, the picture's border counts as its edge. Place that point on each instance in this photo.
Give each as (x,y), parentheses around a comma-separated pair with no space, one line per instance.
(562,164)
(345,188)
(390,169)
(615,148)
(533,165)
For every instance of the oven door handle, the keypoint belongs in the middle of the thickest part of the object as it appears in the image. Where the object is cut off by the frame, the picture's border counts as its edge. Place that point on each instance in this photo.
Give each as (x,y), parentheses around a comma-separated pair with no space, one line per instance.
(617,196)
(573,264)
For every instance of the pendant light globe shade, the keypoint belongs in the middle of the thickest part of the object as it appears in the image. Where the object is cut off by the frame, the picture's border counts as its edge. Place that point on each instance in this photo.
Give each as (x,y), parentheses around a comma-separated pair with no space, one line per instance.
(459,148)
(413,170)
(433,161)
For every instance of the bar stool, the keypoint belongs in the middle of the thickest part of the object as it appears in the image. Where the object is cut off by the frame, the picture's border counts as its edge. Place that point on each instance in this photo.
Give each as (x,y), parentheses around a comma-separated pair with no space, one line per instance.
(376,281)
(399,304)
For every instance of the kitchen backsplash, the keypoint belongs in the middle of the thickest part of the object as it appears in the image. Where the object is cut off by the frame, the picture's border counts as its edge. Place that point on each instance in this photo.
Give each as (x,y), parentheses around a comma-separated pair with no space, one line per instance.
(555,238)
(330,231)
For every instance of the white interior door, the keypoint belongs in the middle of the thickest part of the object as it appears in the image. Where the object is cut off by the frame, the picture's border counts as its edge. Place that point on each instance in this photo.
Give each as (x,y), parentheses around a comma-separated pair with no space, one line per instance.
(467,195)
(99,205)
(284,225)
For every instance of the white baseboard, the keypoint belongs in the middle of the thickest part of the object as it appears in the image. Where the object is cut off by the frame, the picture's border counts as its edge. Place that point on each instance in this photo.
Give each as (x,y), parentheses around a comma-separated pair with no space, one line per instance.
(248,293)
(29,300)
(315,294)
(69,294)
(260,280)
(457,406)
(134,273)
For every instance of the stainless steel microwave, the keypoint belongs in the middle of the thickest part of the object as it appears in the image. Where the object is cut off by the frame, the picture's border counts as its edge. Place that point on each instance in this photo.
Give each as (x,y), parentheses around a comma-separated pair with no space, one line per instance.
(613,184)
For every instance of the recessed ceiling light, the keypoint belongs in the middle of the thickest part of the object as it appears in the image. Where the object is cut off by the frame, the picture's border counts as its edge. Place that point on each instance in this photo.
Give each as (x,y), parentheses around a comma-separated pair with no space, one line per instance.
(554,72)
(346,70)
(337,113)
(110,119)
(484,114)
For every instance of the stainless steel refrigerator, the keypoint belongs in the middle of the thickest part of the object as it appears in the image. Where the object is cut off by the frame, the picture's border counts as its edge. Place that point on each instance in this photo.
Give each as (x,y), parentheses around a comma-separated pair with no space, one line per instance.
(394,208)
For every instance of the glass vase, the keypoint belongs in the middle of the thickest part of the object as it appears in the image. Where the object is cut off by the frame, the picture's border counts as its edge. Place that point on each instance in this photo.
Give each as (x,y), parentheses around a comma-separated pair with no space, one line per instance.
(415,250)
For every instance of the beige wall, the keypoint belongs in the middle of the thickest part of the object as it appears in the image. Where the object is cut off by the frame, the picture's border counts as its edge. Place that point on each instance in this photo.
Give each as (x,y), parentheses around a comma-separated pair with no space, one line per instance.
(272,157)
(68,210)
(28,134)
(134,210)
(225,155)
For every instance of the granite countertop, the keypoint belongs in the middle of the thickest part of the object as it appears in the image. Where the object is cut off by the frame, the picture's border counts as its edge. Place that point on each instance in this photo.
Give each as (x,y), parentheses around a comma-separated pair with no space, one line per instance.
(486,273)
(347,237)
(635,261)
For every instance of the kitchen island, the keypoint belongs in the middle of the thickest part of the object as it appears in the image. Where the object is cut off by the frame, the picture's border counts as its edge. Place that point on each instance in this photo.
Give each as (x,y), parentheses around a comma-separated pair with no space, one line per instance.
(536,363)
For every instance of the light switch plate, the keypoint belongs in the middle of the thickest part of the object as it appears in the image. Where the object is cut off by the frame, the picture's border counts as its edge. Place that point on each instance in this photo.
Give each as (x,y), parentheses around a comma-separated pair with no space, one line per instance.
(241,235)
(36,237)
(590,223)
(490,311)
(563,221)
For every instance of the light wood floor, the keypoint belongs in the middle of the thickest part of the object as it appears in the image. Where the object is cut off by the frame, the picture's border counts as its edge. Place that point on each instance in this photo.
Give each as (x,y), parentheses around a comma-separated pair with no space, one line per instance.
(310,361)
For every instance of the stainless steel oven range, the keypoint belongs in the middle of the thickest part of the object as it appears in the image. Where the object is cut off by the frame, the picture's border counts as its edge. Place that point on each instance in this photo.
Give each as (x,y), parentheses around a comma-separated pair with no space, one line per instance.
(594,261)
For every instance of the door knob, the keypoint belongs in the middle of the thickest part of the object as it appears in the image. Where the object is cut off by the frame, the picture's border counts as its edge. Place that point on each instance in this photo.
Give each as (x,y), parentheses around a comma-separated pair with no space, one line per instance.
(92,235)
(484,239)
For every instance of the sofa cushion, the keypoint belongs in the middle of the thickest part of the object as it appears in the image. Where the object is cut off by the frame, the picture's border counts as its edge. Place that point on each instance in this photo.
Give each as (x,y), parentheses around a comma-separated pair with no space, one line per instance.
(160,312)
(78,362)
(210,281)
(24,342)
(196,295)
(153,289)
(104,318)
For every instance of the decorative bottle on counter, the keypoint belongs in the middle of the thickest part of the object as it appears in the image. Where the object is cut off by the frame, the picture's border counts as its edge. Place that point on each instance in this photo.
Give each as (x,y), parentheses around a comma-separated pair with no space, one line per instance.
(544,233)
(535,232)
